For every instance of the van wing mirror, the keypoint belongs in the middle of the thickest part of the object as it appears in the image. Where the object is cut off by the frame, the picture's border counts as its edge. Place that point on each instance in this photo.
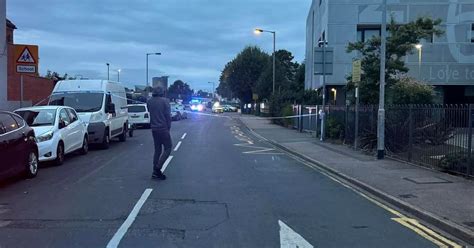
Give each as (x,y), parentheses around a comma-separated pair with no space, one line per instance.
(111,108)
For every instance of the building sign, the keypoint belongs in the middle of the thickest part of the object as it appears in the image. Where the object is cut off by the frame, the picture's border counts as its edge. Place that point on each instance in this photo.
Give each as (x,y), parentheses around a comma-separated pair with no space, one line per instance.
(356,71)
(26,59)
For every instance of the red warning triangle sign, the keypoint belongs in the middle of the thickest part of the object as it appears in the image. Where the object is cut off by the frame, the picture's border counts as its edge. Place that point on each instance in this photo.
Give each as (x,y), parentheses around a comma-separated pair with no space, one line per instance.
(26,57)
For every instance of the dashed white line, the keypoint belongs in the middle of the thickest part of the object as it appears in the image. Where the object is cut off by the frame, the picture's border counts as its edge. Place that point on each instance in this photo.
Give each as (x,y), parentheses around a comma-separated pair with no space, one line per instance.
(184,135)
(177,146)
(167,162)
(115,241)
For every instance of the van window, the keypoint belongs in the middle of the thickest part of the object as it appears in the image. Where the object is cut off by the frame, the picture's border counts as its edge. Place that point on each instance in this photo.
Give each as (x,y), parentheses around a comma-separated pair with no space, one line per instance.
(81,101)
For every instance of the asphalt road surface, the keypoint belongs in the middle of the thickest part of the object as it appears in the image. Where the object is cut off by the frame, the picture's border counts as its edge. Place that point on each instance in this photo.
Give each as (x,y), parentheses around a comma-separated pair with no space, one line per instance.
(225,188)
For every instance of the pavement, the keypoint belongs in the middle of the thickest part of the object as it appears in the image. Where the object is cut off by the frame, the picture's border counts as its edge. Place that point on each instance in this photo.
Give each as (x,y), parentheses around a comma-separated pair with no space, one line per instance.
(226,187)
(442,200)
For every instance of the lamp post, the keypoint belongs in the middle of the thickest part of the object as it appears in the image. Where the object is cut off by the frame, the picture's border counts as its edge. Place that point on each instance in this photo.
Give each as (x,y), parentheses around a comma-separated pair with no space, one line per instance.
(148,54)
(334,91)
(323,43)
(118,75)
(213,90)
(258,31)
(381,111)
(419,47)
(108,71)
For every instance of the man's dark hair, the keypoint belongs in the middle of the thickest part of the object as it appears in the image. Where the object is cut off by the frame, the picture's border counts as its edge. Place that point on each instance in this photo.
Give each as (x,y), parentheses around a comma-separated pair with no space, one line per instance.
(158,91)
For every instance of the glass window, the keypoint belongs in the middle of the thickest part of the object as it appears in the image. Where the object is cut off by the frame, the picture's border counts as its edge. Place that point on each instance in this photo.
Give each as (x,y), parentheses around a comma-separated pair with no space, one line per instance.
(19,120)
(35,118)
(72,115)
(64,117)
(360,36)
(370,33)
(81,102)
(136,109)
(9,124)
(472,33)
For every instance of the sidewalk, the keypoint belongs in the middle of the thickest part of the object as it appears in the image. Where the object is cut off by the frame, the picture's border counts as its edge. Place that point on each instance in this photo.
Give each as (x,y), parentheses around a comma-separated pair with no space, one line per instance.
(440,199)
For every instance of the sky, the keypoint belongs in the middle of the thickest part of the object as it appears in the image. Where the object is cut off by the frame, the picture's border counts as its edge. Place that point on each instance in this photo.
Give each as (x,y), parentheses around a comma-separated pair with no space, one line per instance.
(196,37)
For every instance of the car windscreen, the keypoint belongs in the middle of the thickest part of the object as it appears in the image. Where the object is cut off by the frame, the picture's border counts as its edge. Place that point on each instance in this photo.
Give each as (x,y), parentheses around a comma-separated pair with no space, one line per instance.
(36,118)
(136,109)
(81,102)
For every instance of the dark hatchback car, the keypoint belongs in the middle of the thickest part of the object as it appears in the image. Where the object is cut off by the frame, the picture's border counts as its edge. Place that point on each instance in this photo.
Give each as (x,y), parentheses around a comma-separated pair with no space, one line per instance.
(18,149)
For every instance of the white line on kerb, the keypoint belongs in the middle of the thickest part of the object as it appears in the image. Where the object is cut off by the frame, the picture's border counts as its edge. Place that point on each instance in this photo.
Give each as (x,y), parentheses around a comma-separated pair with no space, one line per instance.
(177,146)
(167,162)
(114,242)
(184,135)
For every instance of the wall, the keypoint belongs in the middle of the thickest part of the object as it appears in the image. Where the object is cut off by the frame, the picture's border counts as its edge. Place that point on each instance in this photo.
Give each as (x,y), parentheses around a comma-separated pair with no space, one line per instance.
(3,57)
(449,60)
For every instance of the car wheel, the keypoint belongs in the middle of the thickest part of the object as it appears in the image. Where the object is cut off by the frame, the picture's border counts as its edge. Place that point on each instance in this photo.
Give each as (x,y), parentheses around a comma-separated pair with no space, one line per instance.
(85,146)
(105,140)
(32,165)
(123,136)
(59,154)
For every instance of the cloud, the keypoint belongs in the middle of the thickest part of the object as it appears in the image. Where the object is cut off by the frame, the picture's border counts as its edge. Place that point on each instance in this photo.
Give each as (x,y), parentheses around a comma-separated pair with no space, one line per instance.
(197,37)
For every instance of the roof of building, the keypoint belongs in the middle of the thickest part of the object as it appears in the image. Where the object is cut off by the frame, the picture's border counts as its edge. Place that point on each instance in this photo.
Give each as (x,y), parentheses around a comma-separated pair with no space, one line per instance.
(10,24)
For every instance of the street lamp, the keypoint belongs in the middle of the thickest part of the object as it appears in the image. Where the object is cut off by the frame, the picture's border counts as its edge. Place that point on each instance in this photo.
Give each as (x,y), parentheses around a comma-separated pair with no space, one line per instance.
(258,31)
(381,111)
(148,54)
(118,75)
(334,91)
(323,44)
(213,89)
(108,71)
(419,47)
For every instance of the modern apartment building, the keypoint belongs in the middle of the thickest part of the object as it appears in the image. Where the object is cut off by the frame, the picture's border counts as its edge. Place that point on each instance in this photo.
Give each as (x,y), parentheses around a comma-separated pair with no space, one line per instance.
(447,62)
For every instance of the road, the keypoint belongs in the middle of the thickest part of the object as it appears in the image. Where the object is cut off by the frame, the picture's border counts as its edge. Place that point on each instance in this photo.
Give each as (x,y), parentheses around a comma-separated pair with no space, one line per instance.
(225,188)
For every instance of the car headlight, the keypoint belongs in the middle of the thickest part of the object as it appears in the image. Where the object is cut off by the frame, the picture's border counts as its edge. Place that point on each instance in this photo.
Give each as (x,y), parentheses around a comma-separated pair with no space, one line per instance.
(45,136)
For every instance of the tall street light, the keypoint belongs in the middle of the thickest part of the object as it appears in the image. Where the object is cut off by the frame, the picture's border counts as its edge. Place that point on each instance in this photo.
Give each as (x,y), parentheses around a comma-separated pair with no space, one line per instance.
(118,75)
(419,47)
(381,112)
(258,31)
(148,54)
(213,90)
(108,71)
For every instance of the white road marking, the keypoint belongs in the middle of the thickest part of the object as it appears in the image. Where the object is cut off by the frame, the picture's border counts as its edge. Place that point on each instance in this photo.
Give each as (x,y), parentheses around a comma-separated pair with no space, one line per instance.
(115,241)
(177,146)
(184,136)
(167,162)
(290,238)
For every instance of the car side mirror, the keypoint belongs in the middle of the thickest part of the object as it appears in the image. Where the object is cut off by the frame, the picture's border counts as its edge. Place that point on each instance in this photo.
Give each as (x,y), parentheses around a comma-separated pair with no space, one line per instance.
(111,108)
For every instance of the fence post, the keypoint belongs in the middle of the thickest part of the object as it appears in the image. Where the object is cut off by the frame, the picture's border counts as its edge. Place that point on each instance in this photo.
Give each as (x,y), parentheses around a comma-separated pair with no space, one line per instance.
(469,145)
(356,128)
(317,121)
(300,122)
(410,132)
(346,124)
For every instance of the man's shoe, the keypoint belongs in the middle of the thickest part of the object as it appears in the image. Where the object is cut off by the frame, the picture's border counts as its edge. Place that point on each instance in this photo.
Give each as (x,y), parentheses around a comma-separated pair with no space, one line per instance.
(161,176)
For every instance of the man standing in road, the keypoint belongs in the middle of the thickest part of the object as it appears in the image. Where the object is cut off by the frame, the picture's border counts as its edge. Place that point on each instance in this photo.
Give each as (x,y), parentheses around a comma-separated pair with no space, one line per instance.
(160,123)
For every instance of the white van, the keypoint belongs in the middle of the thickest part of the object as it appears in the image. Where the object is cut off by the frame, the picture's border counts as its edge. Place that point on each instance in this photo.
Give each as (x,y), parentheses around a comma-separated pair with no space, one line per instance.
(101,104)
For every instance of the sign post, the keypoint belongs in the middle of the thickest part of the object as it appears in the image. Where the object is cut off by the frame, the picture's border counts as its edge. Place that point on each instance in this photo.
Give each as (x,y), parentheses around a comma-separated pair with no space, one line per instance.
(26,62)
(356,75)
(323,65)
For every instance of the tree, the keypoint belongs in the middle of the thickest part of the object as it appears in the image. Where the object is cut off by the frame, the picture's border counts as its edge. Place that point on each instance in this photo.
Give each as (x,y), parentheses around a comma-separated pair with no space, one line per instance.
(400,43)
(180,90)
(410,91)
(204,94)
(55,76)
(242,73)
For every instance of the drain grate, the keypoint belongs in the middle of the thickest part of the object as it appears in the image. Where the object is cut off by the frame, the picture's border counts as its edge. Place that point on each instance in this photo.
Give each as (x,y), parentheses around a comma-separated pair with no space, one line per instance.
(407,196)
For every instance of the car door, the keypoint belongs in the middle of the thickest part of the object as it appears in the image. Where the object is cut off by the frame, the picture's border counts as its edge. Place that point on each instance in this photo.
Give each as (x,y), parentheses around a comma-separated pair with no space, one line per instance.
(11,144)
(76,128)
(65,130)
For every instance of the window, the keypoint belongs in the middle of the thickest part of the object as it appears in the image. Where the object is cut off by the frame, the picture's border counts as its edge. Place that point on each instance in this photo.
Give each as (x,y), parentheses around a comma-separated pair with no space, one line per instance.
(36,118)
(64,117)
(136,109)
(320,2)
(19,121)
(72,115)
(365,33)
(472,33)
(9,124)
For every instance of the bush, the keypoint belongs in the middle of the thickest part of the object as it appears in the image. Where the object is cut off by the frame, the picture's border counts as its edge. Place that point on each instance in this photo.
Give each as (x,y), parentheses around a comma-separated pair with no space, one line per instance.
(335,129)
(287,111)
(409,91)
(458,162)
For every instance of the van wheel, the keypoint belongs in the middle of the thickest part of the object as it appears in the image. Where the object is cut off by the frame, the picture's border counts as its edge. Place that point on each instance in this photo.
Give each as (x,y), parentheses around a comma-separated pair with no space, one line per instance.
(85,146)
(123,136)
(59,154)
(105,140)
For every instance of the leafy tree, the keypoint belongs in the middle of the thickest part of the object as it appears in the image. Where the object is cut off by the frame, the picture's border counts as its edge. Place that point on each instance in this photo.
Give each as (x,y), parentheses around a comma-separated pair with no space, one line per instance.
(202,93)
(180,90)
(410,91)
(400,43)
(242,73)
(55,76)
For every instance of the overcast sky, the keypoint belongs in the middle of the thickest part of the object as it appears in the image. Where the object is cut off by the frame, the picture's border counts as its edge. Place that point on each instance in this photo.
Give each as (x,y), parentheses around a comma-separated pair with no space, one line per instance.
(197,37)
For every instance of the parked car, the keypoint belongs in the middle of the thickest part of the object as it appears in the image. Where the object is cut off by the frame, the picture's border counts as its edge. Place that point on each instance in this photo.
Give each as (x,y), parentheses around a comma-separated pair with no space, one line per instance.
(102,104)
(174,114)
(18,149)
(180,109)
(138,115)
(217,108)
(59,131)
(229,108)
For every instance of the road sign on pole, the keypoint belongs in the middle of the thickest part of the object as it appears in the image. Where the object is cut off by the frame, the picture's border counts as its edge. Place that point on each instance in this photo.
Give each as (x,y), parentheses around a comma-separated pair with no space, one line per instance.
(26,59)
(323,60)
(356,71)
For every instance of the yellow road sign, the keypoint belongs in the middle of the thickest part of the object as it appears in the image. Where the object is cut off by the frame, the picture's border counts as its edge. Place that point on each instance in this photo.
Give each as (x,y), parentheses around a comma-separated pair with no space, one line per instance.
(356,71)
(26,59)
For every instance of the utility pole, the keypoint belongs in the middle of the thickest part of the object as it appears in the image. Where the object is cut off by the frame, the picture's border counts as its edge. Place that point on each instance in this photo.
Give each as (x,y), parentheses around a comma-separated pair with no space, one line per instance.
(381,112)
(108,71)
(323,113)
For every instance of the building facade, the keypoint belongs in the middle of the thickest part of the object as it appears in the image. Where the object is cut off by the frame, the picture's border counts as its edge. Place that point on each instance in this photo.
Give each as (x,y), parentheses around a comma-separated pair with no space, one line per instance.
(447,62)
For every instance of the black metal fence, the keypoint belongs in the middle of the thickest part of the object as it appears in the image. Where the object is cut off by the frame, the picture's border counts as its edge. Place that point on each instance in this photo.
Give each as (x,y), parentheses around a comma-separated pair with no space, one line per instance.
(435,136)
